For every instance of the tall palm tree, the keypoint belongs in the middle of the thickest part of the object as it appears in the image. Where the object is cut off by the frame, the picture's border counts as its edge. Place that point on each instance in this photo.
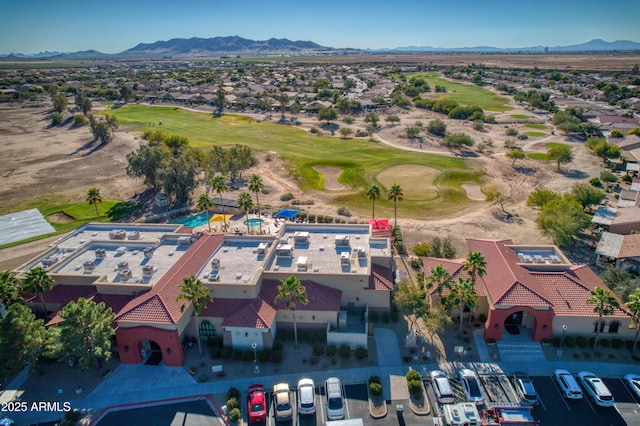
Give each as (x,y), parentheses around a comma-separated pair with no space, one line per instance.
(245,203)
(439,277)
(219,186)
(395,194)
(9,289)
(475,265)
(373,193)
(292,292)
(256,185)
(633,304)
(205,203)
(37,281)
(605,304)
(192,290)
(463,295)
(93,198)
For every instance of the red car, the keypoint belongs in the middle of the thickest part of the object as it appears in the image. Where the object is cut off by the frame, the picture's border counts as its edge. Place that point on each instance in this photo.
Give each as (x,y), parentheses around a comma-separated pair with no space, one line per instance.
(257,404)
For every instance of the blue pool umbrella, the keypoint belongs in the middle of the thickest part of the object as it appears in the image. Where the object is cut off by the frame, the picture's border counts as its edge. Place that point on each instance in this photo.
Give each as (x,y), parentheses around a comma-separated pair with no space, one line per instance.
(289,214)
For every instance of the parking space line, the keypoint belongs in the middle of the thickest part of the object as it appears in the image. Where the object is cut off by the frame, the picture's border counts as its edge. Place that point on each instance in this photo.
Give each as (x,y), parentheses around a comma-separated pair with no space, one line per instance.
(321,406)
(633,397)
(587,399)
(346,405)
(555,385)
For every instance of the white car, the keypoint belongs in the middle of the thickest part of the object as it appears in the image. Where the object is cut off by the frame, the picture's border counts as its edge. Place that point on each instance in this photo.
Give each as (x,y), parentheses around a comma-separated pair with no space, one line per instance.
(282,401)
(596,388)
(633,382)
(306,396)
(335,401)
(568,384)
(471,386)
(442,387)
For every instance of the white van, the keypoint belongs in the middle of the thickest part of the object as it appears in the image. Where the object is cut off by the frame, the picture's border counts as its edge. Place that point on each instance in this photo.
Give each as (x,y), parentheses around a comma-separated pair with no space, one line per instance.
(442,387)
(335,401)
(568,384)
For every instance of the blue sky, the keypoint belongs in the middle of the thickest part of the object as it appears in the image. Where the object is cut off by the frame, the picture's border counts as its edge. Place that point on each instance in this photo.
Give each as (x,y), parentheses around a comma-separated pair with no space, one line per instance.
(30,26)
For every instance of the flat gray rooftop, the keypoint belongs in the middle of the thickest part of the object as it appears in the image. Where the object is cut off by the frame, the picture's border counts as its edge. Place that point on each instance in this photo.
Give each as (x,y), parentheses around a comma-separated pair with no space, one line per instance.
(115,232)
(238,260)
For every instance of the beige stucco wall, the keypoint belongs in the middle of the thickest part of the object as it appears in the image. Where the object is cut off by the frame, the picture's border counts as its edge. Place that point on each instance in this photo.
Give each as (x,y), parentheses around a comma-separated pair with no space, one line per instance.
(307,317)
(584,326)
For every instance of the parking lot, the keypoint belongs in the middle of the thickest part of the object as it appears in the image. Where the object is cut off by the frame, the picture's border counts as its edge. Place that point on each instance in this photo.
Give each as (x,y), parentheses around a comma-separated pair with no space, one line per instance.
(553,408)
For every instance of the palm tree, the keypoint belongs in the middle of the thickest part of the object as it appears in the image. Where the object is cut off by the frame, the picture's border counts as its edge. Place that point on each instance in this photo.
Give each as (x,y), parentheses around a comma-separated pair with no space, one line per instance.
(395,194)
(192,290)
(605,304)
(439,277)
(219,186)
(463,295)
(475,265)
(292,291)
(93,198)
(9,289)
(256,185)
(374,194)
(634,307)
(205,203)
(245,203)
(37,281)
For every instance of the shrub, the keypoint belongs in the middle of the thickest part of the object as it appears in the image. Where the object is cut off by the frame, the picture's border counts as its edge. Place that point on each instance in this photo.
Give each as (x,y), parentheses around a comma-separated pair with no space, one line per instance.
(570,341)
(395,316)
(79,120)
(277,345)
(263,355)
(247,355)
(73,415)
(56,118)
(511,132)
(286,197)
(276,357)
(605,343)
(415,386)
(607,176)
(318,349)
(236,354)
(234,415)
(375,388)
(315,131)
(415,263)
(595,182)
(374,316)
(361,353)
(342,211)
(361,134)
(331,350)
(385,317)
(321,336)
(345,351)
(412,375)
(214,351)
(581,341)
(406,359)
(233,393)
(616,343)
(374,379)
(314,360)
(225,353)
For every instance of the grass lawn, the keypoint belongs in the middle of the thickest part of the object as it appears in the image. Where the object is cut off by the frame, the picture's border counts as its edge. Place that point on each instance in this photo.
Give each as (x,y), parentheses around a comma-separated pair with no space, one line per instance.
(542,156)
(465,94)
(535,134)
(67,216)
(535,126)
(520,116)
(360,160)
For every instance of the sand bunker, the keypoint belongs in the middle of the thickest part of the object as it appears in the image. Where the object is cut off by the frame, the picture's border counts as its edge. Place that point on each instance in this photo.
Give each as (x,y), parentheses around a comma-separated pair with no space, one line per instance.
(473,191)
(331,178)
(416,181)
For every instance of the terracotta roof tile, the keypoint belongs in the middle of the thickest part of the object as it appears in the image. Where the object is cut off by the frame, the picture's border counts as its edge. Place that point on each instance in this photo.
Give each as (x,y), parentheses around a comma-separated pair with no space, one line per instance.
(381,278)
(321,297)
(454,266)
(165,293)
(256,313)
(63,294)
(520,295)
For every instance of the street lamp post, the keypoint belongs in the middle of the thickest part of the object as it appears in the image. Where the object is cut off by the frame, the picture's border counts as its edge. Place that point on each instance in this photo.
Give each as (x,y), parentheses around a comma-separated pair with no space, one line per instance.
(564,331)
(78,389)
(254,346)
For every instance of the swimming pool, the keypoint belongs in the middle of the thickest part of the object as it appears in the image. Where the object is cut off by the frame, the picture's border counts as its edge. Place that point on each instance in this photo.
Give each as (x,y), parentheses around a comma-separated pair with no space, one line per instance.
(253,222)
(194,220)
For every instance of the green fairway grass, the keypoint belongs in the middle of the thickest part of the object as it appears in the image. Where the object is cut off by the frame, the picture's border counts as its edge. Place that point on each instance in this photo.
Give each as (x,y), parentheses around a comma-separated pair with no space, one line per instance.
(535,126)
(464,94)
(535,134)
(361,161)
(542,156)
(520,116)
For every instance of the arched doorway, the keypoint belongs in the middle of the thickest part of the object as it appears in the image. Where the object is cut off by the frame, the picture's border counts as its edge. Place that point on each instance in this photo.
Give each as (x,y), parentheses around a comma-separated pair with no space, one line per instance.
(531,324)
(151,352)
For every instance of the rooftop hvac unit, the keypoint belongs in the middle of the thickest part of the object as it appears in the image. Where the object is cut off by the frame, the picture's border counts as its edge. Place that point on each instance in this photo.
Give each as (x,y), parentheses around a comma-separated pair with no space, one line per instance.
(123,266)
(214,277)
(88,266)
(124,275)
(147,270)
(101,253)
(215,263)
(148,251)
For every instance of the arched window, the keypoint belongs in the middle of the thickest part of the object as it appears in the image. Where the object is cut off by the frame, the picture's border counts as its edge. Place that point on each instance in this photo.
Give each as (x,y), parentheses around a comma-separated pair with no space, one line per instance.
(598,323)
(614,326)
(207,329)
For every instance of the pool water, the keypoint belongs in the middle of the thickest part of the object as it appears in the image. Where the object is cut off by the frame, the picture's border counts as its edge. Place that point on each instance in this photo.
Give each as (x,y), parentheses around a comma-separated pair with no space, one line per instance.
(193,221)
(253,222)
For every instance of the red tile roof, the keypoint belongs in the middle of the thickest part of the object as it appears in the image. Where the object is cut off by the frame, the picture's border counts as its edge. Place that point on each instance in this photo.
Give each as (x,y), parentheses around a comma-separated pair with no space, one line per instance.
(381,278)
(454,267)
(256,313)
(160,305)
(320,297)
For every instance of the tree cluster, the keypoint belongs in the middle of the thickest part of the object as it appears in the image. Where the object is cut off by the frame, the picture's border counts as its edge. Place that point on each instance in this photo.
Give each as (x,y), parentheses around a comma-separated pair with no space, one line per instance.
(103,129)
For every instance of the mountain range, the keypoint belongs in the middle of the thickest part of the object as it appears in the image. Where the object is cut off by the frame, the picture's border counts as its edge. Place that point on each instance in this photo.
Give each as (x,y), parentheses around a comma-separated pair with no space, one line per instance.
(238,46)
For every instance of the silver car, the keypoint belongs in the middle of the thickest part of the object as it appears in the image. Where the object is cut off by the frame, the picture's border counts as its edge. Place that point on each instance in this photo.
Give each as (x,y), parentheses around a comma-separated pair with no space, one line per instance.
(524,388)
(306,396)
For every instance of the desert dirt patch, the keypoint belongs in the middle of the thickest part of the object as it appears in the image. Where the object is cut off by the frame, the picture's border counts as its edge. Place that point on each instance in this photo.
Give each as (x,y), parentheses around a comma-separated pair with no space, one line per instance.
(331,175)
(60,217)
(416,181)
(473,191)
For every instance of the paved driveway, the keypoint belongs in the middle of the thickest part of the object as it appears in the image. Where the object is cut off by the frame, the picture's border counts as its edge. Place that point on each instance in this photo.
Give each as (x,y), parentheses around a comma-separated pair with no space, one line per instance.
(387,347)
